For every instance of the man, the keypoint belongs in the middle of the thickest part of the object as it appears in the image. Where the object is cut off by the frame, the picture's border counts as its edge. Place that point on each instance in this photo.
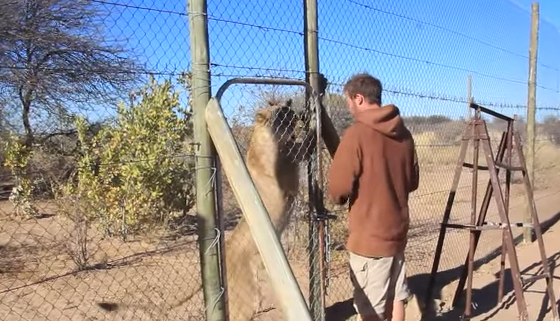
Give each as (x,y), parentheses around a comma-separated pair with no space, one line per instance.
(375,168)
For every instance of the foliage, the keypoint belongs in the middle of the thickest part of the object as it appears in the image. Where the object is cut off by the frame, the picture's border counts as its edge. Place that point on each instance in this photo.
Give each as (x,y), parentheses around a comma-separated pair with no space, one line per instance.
(551,128)
(59,56)
(16,157)
(135,173)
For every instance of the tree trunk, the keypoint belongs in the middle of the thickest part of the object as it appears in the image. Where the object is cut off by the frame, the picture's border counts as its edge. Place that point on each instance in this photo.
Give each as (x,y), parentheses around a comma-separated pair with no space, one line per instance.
(26,108)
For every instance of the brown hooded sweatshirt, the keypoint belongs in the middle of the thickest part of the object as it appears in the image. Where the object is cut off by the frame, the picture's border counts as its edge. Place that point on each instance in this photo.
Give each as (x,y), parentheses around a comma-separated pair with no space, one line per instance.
(375,166)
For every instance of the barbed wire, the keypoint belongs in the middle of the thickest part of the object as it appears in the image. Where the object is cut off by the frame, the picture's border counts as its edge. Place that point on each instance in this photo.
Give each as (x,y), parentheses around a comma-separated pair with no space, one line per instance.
(225,63)
(213,64)
(455,32)
(143,8)
(402,16)
(429,96)
(103,71)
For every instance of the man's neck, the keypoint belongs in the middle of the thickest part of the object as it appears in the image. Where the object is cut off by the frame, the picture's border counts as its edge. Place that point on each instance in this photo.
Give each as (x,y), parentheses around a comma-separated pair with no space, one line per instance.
(369,107)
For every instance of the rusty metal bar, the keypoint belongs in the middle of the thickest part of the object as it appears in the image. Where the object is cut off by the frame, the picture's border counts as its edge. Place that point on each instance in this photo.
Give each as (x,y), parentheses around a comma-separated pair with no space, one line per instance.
(536,227)
(470,266)
(490,112)
(508,169)
(480,167)
(509,243)
(446,214)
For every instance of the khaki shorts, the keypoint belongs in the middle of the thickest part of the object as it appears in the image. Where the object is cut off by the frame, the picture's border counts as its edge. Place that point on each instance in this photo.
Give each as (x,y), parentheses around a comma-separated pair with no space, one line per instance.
(373,278)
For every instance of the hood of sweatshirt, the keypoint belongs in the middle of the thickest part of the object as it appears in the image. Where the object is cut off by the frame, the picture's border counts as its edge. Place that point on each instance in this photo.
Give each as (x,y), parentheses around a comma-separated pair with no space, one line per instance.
(386,120)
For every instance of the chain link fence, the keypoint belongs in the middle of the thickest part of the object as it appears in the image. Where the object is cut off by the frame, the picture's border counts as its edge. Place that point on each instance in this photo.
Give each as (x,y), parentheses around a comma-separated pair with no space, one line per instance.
(97,213)
(431,59)
(97,199)
(274,118)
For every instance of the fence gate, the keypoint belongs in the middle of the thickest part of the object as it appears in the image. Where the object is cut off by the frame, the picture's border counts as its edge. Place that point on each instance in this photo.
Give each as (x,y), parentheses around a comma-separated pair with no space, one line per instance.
(308,216)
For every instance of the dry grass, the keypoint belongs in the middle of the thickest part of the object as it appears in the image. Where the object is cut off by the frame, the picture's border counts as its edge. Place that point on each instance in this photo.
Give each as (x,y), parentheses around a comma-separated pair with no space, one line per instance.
(146,278)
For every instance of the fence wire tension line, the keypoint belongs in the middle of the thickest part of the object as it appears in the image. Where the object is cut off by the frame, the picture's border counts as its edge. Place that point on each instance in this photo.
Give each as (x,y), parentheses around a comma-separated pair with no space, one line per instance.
(169,160)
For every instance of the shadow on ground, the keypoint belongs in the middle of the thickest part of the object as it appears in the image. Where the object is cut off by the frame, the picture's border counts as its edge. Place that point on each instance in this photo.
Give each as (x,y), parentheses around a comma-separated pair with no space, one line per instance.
(484,300)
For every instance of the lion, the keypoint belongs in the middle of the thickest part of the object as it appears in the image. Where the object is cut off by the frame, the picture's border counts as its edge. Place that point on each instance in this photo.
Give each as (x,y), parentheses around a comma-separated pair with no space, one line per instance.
(273,157)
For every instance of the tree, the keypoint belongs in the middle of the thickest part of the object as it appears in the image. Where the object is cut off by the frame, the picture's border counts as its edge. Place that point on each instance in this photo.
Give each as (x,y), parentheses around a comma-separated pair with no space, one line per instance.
(551,127)
(335,104)
(56,60)
(54,55)
(139,171)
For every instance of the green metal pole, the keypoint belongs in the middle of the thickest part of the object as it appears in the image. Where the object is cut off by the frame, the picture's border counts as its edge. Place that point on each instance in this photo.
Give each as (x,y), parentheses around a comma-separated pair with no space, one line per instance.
(315,181)
(205,163)
(531,110)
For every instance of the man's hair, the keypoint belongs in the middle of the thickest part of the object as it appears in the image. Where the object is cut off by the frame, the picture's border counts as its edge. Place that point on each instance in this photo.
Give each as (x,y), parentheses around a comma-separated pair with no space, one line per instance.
(365,85)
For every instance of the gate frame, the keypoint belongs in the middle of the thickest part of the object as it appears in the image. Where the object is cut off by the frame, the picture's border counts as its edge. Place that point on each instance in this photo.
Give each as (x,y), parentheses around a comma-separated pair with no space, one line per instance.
(317,248)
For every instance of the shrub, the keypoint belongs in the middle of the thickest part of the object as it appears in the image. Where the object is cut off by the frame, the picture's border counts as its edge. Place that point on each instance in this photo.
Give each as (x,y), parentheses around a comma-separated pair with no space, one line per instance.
(16,159)
(551,128)
(137,172)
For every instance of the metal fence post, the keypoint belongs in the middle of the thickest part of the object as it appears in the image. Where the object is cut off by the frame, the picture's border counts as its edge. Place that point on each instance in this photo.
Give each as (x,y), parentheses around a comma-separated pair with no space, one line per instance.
(315,179)
(205,195)
(531,110)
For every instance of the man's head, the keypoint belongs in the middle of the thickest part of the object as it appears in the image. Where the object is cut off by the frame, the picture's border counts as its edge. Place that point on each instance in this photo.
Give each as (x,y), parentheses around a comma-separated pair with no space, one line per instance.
(362,92)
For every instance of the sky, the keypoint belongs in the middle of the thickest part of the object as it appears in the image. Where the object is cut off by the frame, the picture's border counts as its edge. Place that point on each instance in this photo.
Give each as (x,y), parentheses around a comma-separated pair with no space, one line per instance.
(422,51)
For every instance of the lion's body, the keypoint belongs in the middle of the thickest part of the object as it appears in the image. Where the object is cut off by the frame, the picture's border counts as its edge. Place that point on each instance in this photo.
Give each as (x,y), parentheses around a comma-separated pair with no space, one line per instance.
(272,160)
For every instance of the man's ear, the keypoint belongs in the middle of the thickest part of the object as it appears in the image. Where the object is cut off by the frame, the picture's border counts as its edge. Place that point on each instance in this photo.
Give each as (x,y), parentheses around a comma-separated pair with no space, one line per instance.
(360,99)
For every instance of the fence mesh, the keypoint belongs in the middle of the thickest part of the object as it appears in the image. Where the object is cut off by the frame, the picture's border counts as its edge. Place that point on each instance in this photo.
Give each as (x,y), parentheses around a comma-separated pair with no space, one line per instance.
(96,209)
(98,155)
(424,55)
(273,128)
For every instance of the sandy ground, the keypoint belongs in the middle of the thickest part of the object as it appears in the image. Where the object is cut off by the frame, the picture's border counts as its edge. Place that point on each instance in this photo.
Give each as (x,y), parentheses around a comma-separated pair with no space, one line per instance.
(148,279)
(485,282)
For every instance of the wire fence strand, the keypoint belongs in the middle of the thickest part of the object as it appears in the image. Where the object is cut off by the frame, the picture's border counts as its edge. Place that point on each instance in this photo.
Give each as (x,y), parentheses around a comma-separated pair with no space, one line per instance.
(98,154)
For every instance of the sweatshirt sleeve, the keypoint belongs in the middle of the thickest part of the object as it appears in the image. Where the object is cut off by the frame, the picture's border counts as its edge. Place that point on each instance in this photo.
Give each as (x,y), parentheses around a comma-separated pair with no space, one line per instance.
(345,167)
(415,171)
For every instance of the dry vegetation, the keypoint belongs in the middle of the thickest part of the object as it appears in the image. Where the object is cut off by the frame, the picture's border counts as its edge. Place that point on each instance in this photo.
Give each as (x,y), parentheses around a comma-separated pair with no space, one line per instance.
(60,265)
(97,216)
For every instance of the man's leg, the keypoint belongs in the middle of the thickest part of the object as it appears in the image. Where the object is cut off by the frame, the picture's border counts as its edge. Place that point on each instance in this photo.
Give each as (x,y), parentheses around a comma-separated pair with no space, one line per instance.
(402,293)
(370,277)
(377,280)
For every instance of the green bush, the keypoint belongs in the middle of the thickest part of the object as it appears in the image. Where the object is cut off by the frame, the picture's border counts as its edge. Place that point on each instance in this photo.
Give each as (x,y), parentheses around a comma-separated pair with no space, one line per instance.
(137,172)
(551,127)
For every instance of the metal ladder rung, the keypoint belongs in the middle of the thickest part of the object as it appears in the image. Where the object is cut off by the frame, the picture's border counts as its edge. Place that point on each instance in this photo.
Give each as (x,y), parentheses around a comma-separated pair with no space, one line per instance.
(480,167)
(509,167)
(486,226)
(471,227)
(503,225)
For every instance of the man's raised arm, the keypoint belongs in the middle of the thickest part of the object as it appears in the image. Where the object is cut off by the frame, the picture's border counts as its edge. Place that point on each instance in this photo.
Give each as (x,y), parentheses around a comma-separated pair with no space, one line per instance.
(345,168)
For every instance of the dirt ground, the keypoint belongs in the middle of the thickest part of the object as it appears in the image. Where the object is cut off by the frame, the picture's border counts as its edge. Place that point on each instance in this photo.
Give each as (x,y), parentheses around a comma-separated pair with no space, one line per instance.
(485,281)
(149,278)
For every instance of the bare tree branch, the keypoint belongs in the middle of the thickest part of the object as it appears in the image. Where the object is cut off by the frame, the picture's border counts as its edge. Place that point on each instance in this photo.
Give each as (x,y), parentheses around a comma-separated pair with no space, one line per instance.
(55,55)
